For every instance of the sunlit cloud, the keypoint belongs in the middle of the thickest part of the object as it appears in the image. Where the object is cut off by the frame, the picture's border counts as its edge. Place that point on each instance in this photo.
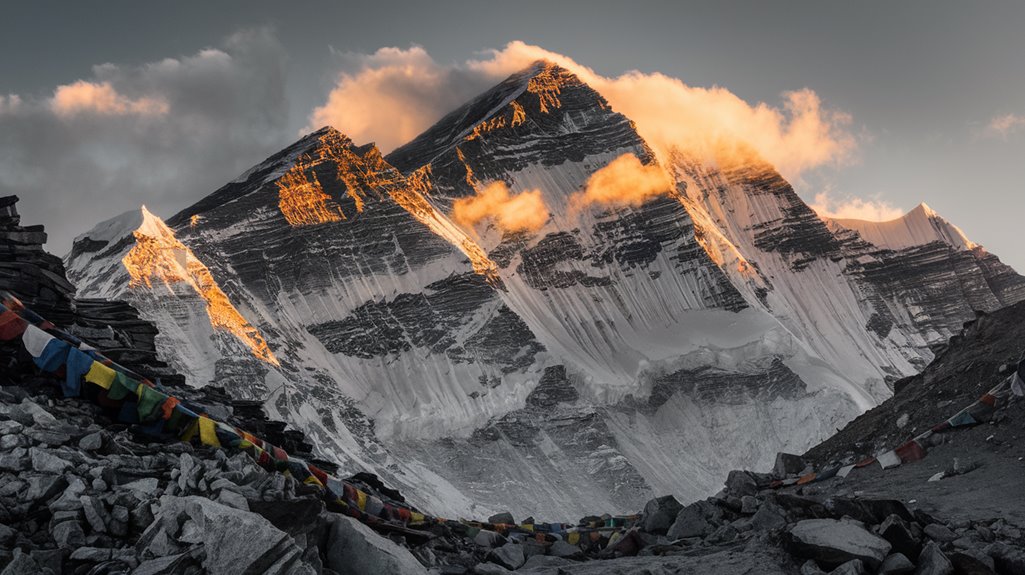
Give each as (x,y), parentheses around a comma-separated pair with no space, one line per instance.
(1005,125)
(624,181)
(394,94)
(168,131)
(101,98)
(525,211)
(853,208)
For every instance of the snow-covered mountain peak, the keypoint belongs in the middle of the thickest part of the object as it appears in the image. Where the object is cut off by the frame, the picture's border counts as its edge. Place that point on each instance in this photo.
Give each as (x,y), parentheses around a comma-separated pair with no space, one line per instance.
(920,226)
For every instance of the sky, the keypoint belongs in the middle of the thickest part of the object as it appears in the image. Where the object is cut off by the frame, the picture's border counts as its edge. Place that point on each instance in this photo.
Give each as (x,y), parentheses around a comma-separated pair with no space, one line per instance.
(869,108)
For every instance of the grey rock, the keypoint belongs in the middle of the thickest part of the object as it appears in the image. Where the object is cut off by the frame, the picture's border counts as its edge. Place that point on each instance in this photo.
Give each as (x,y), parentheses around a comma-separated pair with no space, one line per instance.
(170,565)
(91,442)
(232,499)
(767,518)
(7,536)
(91,554)
(485,538)
(52,559)
(95,513)
(810,567)
(1007,558)
(545,562)
(896,564)
(10,427)
(44,461)
(22,564)
(9,442)
(972,562)
(68,534)
(898,533)
(788,464)
(660,513)
(509,556)
(833,543)
(564,550)
(749,505)
(852,567)
(741,483)
(932,561)
(51,437)
(44,487)
(15,461)
(504,517)
(353,548)
(698,519)
(490,569)
(940,533)
(145,488)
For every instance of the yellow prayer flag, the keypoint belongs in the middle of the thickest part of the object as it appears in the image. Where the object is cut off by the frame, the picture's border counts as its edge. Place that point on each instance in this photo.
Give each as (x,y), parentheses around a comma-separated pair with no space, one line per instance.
(415,517)
(361,500)
(573,538)
(208,432)
(101,375)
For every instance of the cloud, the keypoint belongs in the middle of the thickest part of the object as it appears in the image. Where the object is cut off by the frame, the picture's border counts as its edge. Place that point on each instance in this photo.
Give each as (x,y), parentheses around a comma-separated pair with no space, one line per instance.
(1005,125)
(394,94)
(164,133)
(525,211)
(624,181)
(851,208)
(102,98)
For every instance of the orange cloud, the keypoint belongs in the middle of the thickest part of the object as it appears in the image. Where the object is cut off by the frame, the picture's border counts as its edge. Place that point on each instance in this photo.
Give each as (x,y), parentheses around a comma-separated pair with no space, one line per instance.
(525,211)
(1003,126)
(394,94)
(855,209)
(101,98)
(624,181)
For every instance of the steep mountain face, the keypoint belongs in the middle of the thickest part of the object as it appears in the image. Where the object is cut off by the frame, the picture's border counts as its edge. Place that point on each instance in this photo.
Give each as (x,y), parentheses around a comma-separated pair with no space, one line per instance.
(616,350)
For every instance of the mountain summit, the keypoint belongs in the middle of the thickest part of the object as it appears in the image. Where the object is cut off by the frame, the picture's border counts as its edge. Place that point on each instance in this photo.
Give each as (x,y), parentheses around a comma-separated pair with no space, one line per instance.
(628,344)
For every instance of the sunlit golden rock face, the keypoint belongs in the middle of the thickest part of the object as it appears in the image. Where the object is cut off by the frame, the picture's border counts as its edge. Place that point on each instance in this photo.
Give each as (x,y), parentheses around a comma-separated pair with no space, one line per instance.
(302,200)
(514,116)
(159,257)
(195,219)
(545,85)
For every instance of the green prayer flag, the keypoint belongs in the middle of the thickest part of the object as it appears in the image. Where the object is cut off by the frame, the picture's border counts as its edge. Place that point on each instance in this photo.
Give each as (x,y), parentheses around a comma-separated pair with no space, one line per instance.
(150,401)
(121,387)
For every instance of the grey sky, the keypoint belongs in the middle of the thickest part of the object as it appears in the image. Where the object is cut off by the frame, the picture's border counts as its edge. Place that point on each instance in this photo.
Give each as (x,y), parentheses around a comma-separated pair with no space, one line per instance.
(921,80)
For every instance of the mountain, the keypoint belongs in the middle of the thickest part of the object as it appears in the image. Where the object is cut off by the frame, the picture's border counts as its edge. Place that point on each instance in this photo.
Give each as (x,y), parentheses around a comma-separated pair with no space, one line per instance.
(612,351)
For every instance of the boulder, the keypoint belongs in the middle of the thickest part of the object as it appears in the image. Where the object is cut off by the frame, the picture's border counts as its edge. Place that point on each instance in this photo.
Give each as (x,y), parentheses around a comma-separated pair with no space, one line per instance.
(22,564)
(485,538)
(91,442)
(1007,559)
(932,561)
(940,533)
(741,483)
(852,567)
(749,505)
(503,518)
(788,464)
(236,541)
(896,564)
(659,514)
(354,549)
(546,562)
(767,518)
(698,519)
(68,534)
(898,533)
(810,567)
(44,461)
(564,550)
(44,487)
(509,556)
(832,543)
(972,562)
